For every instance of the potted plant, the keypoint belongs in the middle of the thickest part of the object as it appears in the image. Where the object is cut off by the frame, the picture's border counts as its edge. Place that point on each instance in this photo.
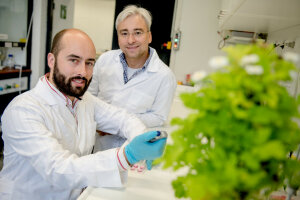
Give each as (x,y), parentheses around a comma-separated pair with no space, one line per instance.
(236,143)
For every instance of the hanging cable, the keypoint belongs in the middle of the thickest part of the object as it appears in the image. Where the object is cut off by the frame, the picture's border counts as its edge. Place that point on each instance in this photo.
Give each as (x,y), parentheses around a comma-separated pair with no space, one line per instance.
(26,43)
(222,42)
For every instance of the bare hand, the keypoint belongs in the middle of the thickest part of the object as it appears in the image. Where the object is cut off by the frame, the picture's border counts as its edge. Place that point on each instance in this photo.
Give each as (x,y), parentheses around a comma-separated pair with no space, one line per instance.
(102,133)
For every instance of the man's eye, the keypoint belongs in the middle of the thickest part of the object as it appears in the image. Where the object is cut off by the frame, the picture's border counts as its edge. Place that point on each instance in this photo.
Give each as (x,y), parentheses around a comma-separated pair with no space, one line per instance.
(124,33)
(138,32)
(74,60)
(90,64)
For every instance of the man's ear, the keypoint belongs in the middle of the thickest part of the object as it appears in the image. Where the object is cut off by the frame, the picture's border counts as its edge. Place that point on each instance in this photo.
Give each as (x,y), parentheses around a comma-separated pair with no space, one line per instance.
(150,37)
(51,60)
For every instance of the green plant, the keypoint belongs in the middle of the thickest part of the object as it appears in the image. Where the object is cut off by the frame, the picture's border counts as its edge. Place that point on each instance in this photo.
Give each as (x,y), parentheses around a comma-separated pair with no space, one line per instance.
(236,142)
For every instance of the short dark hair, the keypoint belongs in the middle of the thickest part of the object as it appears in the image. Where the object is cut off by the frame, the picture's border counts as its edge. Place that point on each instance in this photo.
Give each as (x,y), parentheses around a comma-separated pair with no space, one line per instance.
(56,43)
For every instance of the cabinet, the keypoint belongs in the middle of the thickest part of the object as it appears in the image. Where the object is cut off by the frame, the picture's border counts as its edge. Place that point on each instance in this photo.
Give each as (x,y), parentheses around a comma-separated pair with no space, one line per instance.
(260,16)
(13,20)
(12,44)
(10,85)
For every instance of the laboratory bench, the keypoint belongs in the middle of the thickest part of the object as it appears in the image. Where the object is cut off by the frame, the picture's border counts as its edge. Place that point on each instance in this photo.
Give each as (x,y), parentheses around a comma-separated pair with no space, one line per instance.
(155,184)
(146,185)
(150,185)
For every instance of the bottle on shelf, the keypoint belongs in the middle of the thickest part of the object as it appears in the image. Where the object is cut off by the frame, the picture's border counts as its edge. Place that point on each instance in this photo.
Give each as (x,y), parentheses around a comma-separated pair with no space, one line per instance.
(10,61)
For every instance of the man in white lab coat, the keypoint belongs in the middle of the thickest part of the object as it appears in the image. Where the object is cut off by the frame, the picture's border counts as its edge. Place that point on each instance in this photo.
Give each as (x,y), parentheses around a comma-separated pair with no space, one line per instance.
(133,77)
(49,131)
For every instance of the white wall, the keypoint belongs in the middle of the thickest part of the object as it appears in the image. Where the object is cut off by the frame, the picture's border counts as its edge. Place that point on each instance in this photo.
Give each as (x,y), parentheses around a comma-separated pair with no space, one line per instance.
(289,34)
(197,20)
(59,23)
(96,18)
(38,40)
(39,28)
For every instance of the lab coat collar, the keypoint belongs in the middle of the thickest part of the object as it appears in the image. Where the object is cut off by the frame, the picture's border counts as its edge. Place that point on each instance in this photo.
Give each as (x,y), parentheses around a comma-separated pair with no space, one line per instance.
(154,65)
(52,95)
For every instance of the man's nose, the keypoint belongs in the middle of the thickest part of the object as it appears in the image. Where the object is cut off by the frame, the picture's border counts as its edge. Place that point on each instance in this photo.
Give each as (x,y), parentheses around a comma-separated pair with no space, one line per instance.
(82,69)
(131,38)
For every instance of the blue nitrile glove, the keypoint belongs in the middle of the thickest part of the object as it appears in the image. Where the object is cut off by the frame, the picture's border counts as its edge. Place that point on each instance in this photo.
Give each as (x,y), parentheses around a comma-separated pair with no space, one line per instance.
(149,164)
(141,149)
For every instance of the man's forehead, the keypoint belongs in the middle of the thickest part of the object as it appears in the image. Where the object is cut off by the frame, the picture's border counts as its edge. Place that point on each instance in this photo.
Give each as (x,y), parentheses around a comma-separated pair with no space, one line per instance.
(75,37)
(137,18)
(71,45)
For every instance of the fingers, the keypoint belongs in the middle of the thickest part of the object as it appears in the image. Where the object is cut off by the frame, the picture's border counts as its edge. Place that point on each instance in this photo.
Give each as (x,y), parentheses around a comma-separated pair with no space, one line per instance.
(149,135)
(149,164)
(160,144)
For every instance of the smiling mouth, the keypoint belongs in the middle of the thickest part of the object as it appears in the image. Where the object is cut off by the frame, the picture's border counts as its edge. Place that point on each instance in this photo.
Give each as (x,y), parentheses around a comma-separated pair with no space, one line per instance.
(132,47)
(79,82)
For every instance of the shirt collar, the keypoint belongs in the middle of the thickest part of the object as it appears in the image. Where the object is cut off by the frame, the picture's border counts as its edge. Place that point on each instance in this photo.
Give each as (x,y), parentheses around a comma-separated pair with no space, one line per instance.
(124,63)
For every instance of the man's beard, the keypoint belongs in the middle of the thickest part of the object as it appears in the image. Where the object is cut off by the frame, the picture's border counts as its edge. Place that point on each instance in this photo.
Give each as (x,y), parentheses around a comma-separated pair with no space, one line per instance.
(65,86)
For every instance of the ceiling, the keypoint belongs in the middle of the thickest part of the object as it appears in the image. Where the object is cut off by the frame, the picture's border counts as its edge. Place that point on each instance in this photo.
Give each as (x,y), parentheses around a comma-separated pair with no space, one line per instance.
(260,16)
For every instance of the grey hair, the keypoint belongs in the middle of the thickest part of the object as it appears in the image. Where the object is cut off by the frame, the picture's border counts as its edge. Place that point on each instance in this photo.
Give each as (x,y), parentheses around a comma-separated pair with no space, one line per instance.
(134,10)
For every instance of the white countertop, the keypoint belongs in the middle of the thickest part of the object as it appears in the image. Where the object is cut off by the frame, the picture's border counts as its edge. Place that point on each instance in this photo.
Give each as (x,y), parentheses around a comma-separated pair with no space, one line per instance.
(147,185)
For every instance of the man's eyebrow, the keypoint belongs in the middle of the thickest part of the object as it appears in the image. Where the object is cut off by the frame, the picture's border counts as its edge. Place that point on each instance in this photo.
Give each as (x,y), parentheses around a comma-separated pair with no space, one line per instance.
(123,30)
(91,59)
(74,56)
(136,29)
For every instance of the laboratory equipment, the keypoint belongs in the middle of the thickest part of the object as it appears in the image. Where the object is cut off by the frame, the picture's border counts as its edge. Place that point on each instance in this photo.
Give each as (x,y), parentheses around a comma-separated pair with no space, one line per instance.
(160,135)
(177,38)
(12,85)
(10,61)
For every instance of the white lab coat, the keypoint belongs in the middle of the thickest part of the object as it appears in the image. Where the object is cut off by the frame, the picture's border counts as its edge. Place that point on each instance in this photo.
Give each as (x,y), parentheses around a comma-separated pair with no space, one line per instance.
(47,154)
(149,95)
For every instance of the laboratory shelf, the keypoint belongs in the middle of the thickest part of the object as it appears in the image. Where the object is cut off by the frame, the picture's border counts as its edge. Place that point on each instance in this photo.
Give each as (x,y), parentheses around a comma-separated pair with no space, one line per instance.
(13,73)
(10,44)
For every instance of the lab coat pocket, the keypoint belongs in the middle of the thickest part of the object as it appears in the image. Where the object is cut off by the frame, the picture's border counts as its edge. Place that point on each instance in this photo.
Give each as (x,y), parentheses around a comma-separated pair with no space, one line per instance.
(87,138)
(140,102)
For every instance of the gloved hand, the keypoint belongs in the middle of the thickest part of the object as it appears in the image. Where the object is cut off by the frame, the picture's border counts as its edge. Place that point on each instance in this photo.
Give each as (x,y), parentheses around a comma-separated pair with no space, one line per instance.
(141,149)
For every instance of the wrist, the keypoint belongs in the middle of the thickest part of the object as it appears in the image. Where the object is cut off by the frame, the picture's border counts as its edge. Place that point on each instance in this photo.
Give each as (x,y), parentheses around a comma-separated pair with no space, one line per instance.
(121,160)
(129,156)
(126,158)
